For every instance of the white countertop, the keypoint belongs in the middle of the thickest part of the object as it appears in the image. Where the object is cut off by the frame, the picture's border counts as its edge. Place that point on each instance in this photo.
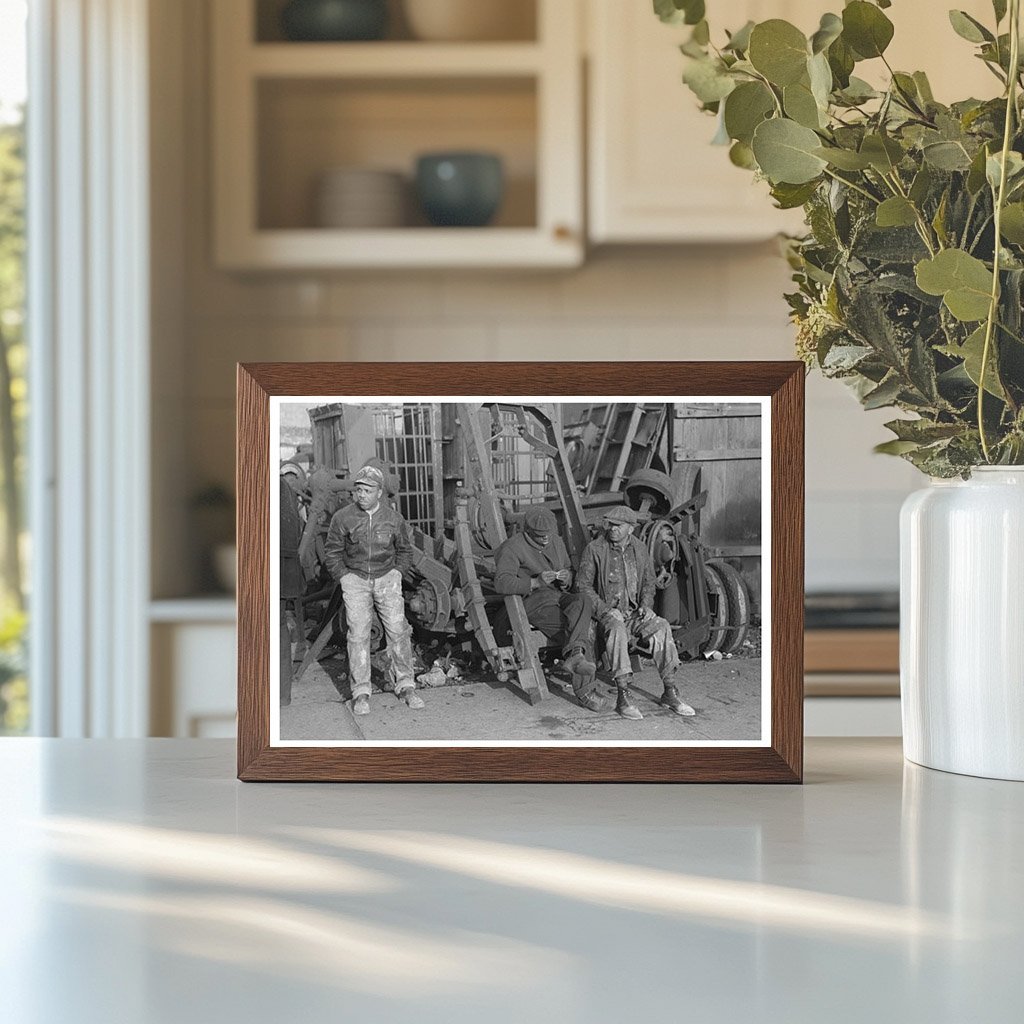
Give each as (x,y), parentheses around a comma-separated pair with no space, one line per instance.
(142,884)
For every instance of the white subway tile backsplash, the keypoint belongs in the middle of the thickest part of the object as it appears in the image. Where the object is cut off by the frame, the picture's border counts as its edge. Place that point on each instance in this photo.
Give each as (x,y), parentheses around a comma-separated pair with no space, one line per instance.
(645,285)
(413,296)
(500,298)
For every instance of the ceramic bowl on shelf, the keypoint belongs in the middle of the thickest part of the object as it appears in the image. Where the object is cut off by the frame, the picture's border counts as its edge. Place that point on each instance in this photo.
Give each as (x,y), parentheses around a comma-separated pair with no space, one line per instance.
(361,198)
(470,20)
(334,20)
(460,189)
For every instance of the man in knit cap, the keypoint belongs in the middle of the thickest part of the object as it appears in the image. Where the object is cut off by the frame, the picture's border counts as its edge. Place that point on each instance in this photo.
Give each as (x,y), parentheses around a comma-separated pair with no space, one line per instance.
(535,565)
(617,574)
(369,545)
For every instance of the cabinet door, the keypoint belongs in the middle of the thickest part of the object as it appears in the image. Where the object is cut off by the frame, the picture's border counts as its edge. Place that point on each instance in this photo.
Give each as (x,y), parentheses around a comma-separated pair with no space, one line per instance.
(653,174)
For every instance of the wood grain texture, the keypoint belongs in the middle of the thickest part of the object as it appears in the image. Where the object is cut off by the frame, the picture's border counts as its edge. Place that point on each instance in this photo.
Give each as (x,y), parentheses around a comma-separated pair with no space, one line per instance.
(782,762)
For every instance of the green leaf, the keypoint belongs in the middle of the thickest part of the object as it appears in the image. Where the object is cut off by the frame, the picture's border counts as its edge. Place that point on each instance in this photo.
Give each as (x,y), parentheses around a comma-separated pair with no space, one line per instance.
(994,167)
(939,220)
(921,185)
(895,447)
(971,352)
(923,431)
(883,153)
(742,155)
(924,88)
(841,60)
(963,281)
(701,33)
(968,28)
(976,174)
(676,12)
(1011,226)
(789,197)
(708,81)
(829,30)
(946,156)
(844,159)
(885,394)
(778,50)
(896,212)
(785,152)
(866,29)
(800,105)
(739,41)
(745,108)
(999,7)
(820,76)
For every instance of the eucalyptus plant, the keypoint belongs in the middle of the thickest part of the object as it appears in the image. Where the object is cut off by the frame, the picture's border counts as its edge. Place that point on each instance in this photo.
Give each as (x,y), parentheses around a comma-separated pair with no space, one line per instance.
(910,278)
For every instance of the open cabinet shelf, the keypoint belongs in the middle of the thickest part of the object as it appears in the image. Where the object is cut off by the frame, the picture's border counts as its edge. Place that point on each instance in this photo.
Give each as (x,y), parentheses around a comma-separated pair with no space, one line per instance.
(287,114)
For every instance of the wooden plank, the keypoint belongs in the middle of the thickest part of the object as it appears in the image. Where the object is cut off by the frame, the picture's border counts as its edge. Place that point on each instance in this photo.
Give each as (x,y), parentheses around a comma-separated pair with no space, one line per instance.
(852,650)
(715,454)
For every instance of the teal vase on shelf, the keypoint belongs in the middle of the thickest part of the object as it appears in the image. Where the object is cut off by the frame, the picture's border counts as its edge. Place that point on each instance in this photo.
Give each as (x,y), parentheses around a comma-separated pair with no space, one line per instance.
(334,20)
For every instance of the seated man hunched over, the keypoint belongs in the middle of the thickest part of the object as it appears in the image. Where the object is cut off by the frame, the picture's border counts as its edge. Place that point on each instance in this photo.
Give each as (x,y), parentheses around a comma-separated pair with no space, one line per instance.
(535,565)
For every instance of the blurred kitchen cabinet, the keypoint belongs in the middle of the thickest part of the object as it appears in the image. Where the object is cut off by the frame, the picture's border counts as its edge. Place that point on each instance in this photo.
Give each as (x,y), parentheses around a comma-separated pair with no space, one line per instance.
(286,113)
(653,175)
(192,650)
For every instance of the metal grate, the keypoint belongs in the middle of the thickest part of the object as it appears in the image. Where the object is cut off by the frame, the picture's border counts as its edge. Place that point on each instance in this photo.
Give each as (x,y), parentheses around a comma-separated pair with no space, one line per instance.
(517,471)
(405,440)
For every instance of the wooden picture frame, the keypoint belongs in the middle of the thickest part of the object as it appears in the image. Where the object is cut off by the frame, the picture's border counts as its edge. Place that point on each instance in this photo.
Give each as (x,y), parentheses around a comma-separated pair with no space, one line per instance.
(777,756)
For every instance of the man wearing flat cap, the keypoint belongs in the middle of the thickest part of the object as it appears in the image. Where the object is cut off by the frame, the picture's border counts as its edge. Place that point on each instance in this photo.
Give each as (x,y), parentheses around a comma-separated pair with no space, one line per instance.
(369,546)
(535,565)
(617,574)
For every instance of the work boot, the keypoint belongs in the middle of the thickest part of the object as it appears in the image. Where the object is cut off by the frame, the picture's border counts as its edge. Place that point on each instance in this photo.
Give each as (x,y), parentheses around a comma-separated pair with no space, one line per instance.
(411,697)
(625,706)
(592,700)
(670,699)
(361,705)
(581,670)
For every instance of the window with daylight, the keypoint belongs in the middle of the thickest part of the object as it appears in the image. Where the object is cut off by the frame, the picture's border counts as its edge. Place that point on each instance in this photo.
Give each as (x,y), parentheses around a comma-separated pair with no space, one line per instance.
(14,702)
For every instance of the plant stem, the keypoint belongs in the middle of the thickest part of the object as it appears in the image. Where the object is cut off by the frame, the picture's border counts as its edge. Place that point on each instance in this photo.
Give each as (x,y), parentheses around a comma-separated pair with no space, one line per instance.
(855,187)
(922,225)
(993,308)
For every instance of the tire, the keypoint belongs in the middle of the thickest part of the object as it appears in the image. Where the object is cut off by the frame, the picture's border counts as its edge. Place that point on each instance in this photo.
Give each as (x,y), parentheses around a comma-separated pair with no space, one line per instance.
(738,616)
(719,631)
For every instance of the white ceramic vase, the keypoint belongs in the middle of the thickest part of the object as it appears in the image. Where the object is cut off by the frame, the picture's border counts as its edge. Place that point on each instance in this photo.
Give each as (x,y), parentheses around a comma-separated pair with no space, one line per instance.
(962,624)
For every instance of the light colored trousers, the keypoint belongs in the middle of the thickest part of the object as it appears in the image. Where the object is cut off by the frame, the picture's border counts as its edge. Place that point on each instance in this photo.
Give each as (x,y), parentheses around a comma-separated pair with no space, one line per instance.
(360,596)
(617,635)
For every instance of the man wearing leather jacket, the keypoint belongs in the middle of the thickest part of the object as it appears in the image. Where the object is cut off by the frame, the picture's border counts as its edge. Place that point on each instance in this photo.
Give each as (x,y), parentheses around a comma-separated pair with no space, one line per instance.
(617,574)
(369,546)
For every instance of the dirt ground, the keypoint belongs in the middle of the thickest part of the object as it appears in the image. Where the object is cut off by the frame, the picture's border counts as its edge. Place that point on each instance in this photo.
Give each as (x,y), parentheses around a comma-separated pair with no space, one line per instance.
(725,694)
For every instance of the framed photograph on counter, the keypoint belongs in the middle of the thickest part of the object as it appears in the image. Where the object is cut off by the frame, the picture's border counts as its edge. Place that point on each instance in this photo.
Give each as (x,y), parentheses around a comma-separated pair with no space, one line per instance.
(520,571)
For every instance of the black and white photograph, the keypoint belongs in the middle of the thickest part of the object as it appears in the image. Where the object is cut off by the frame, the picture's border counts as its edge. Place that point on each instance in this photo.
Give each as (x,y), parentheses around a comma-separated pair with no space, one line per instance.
(522,571)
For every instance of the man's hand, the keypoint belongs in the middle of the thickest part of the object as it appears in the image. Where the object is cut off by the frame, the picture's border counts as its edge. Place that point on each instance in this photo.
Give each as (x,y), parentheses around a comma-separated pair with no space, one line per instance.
(564,576)
(548,577)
